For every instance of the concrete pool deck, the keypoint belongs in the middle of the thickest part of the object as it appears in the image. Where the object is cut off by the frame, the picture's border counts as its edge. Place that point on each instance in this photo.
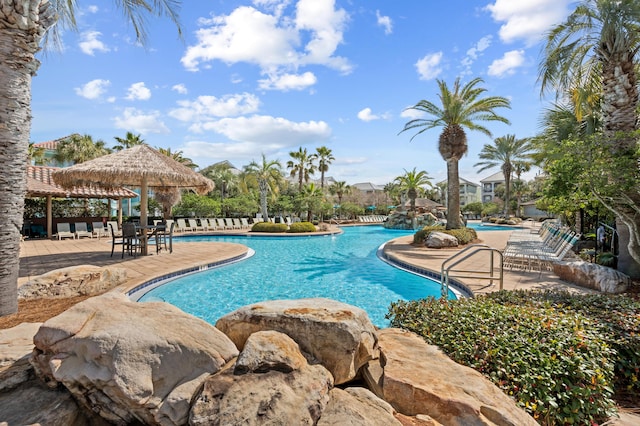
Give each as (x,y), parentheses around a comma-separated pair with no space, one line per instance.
(39,256)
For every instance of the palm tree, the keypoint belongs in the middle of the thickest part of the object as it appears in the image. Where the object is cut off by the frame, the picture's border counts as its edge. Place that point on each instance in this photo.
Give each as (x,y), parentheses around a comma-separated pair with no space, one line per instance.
(128,141)
(339,189)
(178,157)
(506,152)
(324,157)
(411,183)
(302,167)
(36,155)
(461,108)
(223,178)
(25,25)
(267,175)
(311,197)
(599,42)
(78,149)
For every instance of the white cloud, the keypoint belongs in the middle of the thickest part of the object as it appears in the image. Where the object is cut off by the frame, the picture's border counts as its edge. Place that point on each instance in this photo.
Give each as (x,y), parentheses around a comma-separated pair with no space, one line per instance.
(180,88)
(138,92)
(89,43)
(474,52)
(385,22)
(231,151)
(269,130)
(367,115)
(528,20)
(137,121)
(93,89)
(286,82)
(92,9)
(205,108)
(272,41)
(411,113)
(507,64)
(429,66)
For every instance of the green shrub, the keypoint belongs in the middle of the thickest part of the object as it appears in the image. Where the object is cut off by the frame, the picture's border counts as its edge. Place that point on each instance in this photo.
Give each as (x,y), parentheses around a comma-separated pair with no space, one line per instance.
(555,363)
(269,227)
(464,235)
(299,227)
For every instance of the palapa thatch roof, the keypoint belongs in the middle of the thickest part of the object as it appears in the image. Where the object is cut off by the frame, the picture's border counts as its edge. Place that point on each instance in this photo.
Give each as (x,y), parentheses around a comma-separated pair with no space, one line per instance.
(41,184)
(132,166)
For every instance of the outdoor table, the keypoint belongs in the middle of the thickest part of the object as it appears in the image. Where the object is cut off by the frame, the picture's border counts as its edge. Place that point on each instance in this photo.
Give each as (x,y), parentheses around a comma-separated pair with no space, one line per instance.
(147,231)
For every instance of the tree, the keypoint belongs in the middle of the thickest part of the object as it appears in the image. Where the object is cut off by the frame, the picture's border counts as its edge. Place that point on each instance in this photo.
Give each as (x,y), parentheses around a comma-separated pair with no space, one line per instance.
(35,154)
(25,26)
(130,140)
(339,189)
(302,167)
(224,179)
(78,149)
(178,157)
(311,198)
(267,175)
(599,43)
(461,108)
(324,157)
(506,153)
(412,183)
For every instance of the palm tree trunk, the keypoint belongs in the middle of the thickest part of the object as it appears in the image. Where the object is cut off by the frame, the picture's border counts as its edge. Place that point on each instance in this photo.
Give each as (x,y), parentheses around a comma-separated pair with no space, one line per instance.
(18,64)
(507,190)
(453,194)
(264,188)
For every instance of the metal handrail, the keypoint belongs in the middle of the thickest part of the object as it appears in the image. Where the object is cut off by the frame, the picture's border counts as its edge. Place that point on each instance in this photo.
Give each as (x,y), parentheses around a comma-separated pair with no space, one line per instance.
(445,271)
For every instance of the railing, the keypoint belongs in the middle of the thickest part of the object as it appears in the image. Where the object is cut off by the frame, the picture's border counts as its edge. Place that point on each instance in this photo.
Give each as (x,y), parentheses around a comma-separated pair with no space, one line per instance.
(446,270)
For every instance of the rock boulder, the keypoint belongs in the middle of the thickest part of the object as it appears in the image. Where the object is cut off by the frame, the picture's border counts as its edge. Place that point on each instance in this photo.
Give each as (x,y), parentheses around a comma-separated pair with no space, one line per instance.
(592,275)
(130,361)
(84,280)
(440,240)
(336,335)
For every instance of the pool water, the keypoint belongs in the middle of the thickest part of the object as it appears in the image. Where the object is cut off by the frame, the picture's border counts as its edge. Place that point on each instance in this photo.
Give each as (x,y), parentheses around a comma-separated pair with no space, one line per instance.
(343,267)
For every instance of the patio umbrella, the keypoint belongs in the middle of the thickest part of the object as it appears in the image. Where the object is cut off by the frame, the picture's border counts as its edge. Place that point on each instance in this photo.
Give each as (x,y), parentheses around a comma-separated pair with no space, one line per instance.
(140,166)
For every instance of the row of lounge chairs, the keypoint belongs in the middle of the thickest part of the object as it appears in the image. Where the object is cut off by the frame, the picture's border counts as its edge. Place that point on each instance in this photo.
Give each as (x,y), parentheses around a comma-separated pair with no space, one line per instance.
(527,249)
(209,224)
(373,218)
(81,230)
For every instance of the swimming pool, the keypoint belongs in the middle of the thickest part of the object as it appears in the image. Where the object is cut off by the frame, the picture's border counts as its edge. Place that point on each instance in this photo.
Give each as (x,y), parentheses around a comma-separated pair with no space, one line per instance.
(343,267)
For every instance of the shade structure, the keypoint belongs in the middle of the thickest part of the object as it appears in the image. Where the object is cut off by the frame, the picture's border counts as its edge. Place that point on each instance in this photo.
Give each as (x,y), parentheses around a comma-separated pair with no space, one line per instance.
(140,166)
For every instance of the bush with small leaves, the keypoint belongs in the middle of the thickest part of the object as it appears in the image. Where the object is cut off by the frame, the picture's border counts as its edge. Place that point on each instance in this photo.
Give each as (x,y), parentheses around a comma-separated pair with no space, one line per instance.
(269,227)
(464,235)
(300,227)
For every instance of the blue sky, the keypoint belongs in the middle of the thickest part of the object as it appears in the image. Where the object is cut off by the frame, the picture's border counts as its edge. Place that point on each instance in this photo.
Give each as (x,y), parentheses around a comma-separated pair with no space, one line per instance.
(270,76)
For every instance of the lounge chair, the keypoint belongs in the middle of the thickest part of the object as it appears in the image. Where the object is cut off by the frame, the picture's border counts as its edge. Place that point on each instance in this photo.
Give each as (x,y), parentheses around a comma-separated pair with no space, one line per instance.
(181,226)
(64,231)
(220,224)
(245,223)
(228,223)
(193,224)
(82,230)
(114,224)
(211,224)
(236,223)
(99,230)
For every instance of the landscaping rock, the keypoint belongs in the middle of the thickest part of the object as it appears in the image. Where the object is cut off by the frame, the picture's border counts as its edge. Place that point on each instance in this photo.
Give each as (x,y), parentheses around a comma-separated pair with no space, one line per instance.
(592,275)
(84,280)
(357,406)
(440,240)
(282,390)
(338,336)
(417,378)
(16,345)
(130,361)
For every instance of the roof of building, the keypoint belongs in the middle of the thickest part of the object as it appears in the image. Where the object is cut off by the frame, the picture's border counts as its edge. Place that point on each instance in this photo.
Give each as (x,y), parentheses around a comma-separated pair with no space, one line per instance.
(462,180)
(51,145)
(496,177)
(367,186)
(40,184)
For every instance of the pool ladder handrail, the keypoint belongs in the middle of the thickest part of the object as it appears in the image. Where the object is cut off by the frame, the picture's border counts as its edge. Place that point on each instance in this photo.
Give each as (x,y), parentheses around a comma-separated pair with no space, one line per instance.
(464,254)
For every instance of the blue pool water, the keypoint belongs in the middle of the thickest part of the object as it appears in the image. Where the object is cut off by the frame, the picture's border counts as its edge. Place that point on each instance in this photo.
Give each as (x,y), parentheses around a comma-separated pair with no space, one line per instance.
(343,267)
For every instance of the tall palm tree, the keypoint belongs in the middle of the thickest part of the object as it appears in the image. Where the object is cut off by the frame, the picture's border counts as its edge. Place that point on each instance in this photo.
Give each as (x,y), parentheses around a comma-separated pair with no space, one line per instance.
(506,152)
(25,26)
(462,107)
(79,148)
(130,140)
(223,178)
(339,189)
(301,165)
(599,42)
(177,155)
(412,183)
(267,174)
(324,157)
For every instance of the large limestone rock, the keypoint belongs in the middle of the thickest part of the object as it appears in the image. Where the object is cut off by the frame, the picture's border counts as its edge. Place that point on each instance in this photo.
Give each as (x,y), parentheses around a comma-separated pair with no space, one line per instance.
(16,345)
(357,406)
(272,383)
(338,336)
(83,280)
(130,361)
(440,240)
(592,275)
(417,378)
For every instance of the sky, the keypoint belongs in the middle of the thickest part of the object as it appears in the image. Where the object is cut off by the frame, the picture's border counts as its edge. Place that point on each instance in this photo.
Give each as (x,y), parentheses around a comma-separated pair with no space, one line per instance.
(270,76)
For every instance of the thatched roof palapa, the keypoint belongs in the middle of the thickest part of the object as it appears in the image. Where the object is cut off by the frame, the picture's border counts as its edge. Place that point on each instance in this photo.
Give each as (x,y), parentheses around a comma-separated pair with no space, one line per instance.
(41,184)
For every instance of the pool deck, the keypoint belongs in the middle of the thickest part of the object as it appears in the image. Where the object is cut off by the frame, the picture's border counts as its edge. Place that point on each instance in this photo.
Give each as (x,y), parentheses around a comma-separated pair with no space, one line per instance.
(39,256)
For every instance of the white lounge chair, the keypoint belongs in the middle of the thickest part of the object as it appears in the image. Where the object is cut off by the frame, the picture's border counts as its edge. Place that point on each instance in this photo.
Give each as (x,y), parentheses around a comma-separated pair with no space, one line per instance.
(99,230)
(181,226)
(228,223)
(82,230)
(193,225)
(236,223)
(64,231)
(211,224)
(220,224)
(245,223)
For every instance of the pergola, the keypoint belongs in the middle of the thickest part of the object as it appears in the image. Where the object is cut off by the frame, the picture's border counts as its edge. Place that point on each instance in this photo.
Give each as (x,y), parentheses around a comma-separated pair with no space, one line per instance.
(41,184)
